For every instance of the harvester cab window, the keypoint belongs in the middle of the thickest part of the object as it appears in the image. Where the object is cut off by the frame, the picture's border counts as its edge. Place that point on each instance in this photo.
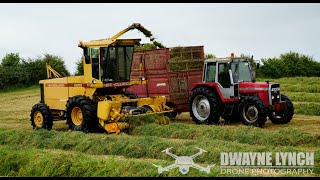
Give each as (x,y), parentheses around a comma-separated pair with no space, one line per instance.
(223,76)
(95,62)
(211,72)
(116,63)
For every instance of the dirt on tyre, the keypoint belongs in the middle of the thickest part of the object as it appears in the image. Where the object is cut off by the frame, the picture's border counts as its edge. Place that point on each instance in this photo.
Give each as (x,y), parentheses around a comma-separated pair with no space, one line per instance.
(203,106)
(82,114)
(41,117)
(252,111)
(285,116)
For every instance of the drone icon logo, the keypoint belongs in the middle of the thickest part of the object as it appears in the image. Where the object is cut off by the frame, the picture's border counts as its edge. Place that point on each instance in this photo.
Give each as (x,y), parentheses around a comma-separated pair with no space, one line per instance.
(184,162)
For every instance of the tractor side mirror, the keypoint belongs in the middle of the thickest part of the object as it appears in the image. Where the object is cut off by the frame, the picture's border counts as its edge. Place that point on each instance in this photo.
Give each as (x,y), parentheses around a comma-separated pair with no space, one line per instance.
(87,59)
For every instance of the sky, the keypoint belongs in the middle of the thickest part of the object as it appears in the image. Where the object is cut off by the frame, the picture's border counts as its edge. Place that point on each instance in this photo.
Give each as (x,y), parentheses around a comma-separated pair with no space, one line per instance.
(262,30)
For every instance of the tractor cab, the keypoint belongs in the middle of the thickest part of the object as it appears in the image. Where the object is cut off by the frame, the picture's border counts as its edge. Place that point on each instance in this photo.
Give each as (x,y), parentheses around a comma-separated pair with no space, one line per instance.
(108,63)
(228,73)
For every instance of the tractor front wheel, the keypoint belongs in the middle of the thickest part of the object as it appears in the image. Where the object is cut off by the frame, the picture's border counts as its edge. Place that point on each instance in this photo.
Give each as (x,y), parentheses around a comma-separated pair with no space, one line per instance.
(41,117)
(203,106)
(81,114)
(285,116)
(252,111)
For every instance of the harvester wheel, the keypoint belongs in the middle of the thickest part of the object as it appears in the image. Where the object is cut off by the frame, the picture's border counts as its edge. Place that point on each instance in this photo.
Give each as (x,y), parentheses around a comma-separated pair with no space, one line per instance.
(204,106)
(41,117)
(252,111)
(284,117)
(81,114)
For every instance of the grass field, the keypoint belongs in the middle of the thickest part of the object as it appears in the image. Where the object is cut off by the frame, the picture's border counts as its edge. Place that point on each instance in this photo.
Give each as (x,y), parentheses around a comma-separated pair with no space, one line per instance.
(60,152)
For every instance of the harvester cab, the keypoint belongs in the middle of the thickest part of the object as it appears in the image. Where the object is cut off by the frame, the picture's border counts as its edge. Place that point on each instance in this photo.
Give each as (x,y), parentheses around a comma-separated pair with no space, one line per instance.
(97,98)
(229,89)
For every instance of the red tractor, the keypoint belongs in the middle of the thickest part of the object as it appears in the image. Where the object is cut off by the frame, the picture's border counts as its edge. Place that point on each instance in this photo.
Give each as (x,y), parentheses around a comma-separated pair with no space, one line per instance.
(228,89)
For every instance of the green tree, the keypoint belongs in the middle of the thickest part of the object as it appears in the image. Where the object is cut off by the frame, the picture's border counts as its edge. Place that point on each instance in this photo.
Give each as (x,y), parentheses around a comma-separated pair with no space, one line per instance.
(290,64)
(79,64)
(12,72)
(11,59)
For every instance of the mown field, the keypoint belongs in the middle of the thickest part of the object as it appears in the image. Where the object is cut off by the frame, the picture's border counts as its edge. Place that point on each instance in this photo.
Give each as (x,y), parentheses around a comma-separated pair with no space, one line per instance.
(60,152)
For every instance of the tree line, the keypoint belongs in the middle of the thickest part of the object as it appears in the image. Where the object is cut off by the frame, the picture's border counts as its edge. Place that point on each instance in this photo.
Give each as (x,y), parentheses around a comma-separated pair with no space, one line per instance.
(16,71)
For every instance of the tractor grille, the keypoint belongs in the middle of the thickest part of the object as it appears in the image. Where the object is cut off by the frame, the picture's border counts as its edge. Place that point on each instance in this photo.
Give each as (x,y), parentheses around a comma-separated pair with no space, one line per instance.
(275,93)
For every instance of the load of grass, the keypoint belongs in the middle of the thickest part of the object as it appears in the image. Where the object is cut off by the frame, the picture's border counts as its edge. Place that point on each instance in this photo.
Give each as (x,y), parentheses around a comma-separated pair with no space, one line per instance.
(182,58)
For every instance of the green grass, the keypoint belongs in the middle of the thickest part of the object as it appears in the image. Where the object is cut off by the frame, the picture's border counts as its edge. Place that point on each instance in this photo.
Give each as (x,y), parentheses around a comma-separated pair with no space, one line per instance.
(307,108)
(60,152)
(19,88)
(303,96)
(138,147)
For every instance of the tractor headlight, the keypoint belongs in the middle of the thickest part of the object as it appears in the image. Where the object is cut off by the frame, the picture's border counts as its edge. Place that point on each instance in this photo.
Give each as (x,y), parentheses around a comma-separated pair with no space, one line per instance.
(143,78)
(94,81)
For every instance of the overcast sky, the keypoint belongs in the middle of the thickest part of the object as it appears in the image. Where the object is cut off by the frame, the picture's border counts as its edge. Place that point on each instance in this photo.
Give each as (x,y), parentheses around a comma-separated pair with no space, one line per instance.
(262,30)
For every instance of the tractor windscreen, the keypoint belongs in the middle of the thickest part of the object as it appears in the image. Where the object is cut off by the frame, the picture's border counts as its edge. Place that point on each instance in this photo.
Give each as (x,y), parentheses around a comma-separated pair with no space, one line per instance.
(241,71)
(116,63)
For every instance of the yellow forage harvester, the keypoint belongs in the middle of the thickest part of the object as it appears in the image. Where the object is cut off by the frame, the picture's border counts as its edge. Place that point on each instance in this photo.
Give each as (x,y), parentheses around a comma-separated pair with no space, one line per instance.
(98,97)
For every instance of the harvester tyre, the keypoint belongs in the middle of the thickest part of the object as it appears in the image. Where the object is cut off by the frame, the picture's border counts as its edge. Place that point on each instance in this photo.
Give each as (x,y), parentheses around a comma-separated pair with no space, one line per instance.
(82,114)
(285,117)
(203,106)
(41,117)
(252,111)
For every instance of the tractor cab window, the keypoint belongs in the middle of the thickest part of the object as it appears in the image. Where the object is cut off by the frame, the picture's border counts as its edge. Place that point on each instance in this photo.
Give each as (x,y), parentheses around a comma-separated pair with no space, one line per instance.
(211,72)
(223,76)
(241,72)
(116,63)
(95,62)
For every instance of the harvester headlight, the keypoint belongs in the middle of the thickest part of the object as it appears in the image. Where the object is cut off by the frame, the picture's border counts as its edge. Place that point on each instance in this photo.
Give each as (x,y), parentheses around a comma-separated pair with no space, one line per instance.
(143,78)
(278,96)
(272,97)
(94,81)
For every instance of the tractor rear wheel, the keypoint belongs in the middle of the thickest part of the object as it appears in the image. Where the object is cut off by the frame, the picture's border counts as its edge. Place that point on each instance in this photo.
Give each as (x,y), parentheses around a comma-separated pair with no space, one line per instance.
(81,114)
(252,111)
(203,106)
(41,117)
(283,117)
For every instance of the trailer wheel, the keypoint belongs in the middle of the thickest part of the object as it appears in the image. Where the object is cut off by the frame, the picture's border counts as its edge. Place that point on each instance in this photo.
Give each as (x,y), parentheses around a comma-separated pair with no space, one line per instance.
(203,106)
(283,117)
(252,111)
(41,117)
(172,114)
(81,114)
